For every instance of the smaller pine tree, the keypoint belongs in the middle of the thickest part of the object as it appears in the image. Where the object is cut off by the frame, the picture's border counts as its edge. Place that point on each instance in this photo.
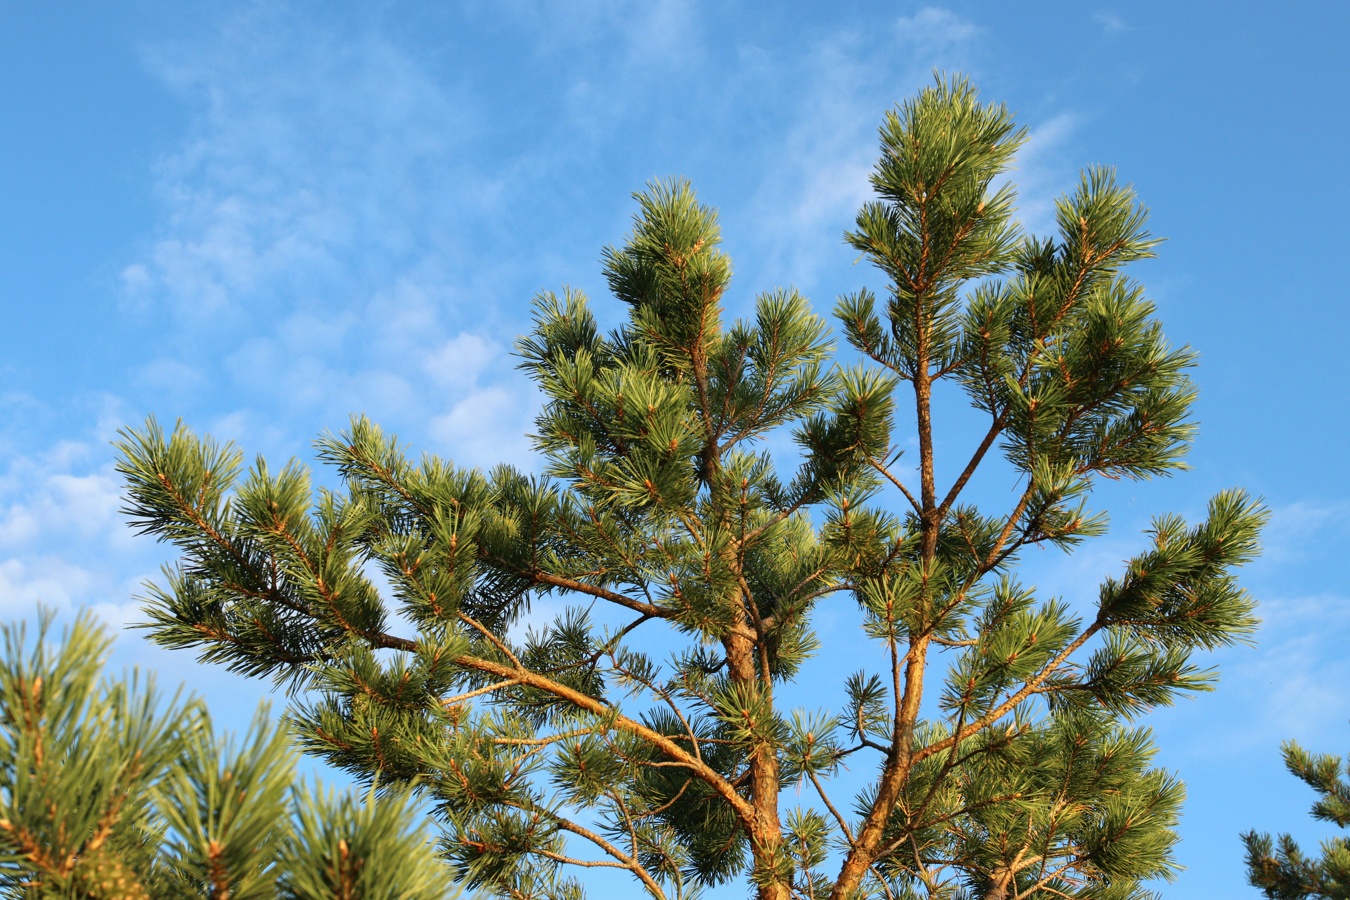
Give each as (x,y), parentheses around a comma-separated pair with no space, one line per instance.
(107,790)
(1280,868)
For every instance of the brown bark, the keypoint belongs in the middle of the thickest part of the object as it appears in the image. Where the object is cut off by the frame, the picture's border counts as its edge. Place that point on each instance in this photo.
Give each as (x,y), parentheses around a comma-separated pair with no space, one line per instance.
(864,850)
(1003,878)
(893,777)
(931,516)
(766,834)
(665,744)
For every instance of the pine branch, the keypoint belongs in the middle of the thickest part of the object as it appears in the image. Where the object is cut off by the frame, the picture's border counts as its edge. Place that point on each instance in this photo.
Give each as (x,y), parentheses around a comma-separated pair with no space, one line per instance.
(570,584)
(676,754)
(974,463)
(1013,700)
(838,817)
(876,464)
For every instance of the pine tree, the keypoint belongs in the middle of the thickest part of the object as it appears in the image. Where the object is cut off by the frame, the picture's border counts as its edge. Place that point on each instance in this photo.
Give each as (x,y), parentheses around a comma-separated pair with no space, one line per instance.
(110,792)
(651,727)
(1282,871)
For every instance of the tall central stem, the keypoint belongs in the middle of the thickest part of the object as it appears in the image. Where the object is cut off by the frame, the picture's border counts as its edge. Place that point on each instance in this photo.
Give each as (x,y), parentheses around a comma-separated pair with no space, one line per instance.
(899,759)
(766,837)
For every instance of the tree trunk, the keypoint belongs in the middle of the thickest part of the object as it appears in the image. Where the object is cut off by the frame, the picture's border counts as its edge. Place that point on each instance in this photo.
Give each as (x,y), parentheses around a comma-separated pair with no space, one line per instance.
(766,837)
(999,880)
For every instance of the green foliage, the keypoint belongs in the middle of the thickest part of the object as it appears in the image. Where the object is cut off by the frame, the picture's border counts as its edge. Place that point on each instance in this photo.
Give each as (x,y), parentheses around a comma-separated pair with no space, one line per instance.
(1280,868)
(108,791)
(650,728)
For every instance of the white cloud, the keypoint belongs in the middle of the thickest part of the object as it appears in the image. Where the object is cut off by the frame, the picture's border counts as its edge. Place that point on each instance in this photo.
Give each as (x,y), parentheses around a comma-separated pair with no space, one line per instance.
(64,542)
(1296,530)
(171,379)
(640,36)
(404,319)
(458,362)
(1044,171)
(1292,684)
(49,497)
(662,32)
(1111,22)
(235,426)
(486,427)
(812,188)
(933,30)
(320,165)
(843,84)
(319,246)
(136,280)
(49,581)
(52,581)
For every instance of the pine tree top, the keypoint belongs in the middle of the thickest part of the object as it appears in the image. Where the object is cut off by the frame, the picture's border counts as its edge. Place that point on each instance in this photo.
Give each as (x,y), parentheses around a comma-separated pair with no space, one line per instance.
(648,729)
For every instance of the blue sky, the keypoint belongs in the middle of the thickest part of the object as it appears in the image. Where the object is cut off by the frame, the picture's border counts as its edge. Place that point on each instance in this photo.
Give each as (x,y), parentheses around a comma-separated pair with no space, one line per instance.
(262,217)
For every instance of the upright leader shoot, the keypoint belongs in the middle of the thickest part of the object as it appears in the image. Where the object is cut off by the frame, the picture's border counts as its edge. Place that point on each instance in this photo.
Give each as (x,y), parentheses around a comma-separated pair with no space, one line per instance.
(651,729)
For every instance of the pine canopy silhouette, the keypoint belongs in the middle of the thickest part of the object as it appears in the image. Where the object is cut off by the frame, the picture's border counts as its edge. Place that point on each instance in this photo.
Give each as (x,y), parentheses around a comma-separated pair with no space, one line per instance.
(651,728)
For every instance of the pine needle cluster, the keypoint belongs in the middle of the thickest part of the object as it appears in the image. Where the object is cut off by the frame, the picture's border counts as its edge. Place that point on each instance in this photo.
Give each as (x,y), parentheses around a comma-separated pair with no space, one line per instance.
(650,728)
(1280,868)
(109,791)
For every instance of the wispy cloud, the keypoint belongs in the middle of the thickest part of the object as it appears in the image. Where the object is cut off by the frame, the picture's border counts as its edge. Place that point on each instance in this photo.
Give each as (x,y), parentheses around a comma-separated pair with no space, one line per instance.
(812,192)
(848,79)
(63,541)
(1299,530)
(320,163)
(1044,170)
(1291,685)
(1111,22)
(321,232)
(53,582)
(331,223)
(933,31)
(50,581)
(56,495)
